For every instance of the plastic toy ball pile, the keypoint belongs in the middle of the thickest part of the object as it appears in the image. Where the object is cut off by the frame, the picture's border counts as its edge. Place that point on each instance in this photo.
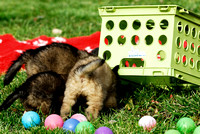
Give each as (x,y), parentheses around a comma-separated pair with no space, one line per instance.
(184,125)
(78,123)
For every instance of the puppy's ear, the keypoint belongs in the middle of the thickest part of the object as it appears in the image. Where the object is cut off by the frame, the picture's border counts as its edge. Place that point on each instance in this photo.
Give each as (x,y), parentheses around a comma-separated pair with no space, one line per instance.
(87,69)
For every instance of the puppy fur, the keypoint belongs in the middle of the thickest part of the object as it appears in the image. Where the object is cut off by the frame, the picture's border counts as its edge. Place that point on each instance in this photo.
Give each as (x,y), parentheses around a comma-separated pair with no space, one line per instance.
(43,91)
(40,87)
(93,78)
(56,57)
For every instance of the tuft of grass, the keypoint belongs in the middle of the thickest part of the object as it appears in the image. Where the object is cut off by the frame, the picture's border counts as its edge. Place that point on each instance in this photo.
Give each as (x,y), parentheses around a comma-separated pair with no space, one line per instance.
(29,19)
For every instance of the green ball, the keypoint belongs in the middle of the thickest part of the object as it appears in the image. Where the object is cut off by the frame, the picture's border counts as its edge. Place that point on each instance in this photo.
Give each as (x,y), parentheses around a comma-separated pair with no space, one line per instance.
(84,127)
(185,125)
(172,131)
(197,130)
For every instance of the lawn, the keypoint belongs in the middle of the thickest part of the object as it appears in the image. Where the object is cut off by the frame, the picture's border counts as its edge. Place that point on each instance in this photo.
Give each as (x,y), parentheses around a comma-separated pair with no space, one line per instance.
(29,19)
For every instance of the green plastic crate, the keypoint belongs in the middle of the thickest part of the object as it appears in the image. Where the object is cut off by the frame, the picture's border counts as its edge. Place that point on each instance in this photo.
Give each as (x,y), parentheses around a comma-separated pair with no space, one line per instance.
(157,44)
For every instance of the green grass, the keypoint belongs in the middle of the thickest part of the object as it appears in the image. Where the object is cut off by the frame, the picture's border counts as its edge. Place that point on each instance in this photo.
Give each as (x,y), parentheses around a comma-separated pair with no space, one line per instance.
(29,19)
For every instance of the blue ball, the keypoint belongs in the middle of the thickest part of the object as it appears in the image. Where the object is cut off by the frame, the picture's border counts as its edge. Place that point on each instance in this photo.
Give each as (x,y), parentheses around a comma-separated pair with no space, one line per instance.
(70,125)
(30,119)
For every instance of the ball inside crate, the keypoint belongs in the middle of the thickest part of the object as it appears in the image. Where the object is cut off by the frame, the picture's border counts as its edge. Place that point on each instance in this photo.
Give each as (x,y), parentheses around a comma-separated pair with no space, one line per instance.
(152,44)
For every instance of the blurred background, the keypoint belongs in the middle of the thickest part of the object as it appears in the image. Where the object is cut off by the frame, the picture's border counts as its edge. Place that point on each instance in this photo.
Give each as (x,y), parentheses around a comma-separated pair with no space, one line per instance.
(29,19)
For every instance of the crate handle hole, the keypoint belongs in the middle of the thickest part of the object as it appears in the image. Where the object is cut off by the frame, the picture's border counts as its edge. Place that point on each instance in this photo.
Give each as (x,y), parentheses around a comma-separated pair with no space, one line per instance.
(198,50)
(178,42)
(122,24)
(177,57)
(161,55)
(162,39)
(194,33)
(187,30)
(191,62)
(135,40)
(108,40)
(136,24)
(185,45)
(149,39)
(192,48)
(184,60)
(198,65)
(180,26)
(107,55)
(164,24)
(110,25)
(121,39)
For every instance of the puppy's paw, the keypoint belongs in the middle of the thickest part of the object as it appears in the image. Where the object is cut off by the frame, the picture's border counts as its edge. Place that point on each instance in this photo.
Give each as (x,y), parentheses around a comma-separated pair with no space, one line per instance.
(91,113)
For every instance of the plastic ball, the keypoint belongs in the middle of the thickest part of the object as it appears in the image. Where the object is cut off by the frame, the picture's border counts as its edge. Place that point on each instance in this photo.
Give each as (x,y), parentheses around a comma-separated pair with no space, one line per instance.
(185,125)
(84,127)
(53,121)
(79,117)
(70,125)
(30,119)
(147,122)
(172,131)
(197,130)
(103,130)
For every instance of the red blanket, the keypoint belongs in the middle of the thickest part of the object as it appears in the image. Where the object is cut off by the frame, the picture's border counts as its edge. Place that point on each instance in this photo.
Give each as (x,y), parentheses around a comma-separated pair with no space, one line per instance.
(10,48)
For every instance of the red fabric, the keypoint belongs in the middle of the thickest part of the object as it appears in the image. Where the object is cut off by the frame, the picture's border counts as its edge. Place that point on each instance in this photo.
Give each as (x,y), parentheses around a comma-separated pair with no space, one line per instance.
(10,48)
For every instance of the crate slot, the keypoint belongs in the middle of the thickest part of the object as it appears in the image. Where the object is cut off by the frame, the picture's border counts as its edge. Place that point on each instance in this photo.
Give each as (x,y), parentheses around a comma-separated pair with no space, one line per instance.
(162,40)
(122,24)
(121,40)
(132,62)
(107,55)
(149,39)
(164,24)
(136,24)
(108,40)
(110,25)
(135,40)
(150,24)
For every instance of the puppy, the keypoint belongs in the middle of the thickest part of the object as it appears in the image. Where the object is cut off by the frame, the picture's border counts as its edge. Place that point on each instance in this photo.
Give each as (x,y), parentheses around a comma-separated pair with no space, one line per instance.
(93,78)
(57,57)
(43,91)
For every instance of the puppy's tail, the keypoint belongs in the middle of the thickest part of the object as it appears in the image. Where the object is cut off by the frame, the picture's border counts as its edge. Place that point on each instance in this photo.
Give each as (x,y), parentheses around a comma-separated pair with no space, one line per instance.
(15,67)
(90,67)
(11,98)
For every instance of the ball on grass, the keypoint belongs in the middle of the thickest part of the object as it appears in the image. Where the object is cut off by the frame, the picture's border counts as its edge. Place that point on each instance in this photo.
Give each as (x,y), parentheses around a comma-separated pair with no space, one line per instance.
(53,121)
(185,125)
(84,127)
(172,131)
(70,125)
(103,130)
(147,122)
(79,117)
(197,130)
(30,119)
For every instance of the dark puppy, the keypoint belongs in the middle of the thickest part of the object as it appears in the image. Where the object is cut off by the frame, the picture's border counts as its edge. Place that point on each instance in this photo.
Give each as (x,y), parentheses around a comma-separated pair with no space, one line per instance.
(57,57)
(43,91)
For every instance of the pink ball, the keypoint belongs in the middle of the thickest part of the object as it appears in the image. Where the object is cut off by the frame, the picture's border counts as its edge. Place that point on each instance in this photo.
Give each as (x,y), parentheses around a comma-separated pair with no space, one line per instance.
(79,117)
(53,121)
(147,122)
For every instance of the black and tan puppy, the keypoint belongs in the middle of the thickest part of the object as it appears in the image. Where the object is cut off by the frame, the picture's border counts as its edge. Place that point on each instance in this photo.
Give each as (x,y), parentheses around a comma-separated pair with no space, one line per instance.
(57,57)
(43,91)
(93,78)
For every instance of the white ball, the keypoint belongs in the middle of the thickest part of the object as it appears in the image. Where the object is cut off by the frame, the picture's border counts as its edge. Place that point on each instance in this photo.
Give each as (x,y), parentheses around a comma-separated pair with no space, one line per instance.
(147,122)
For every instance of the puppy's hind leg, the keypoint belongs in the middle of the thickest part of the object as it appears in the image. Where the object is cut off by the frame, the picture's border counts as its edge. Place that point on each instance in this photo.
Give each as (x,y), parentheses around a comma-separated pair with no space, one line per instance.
(95,104)
(68,102)
(111,100)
